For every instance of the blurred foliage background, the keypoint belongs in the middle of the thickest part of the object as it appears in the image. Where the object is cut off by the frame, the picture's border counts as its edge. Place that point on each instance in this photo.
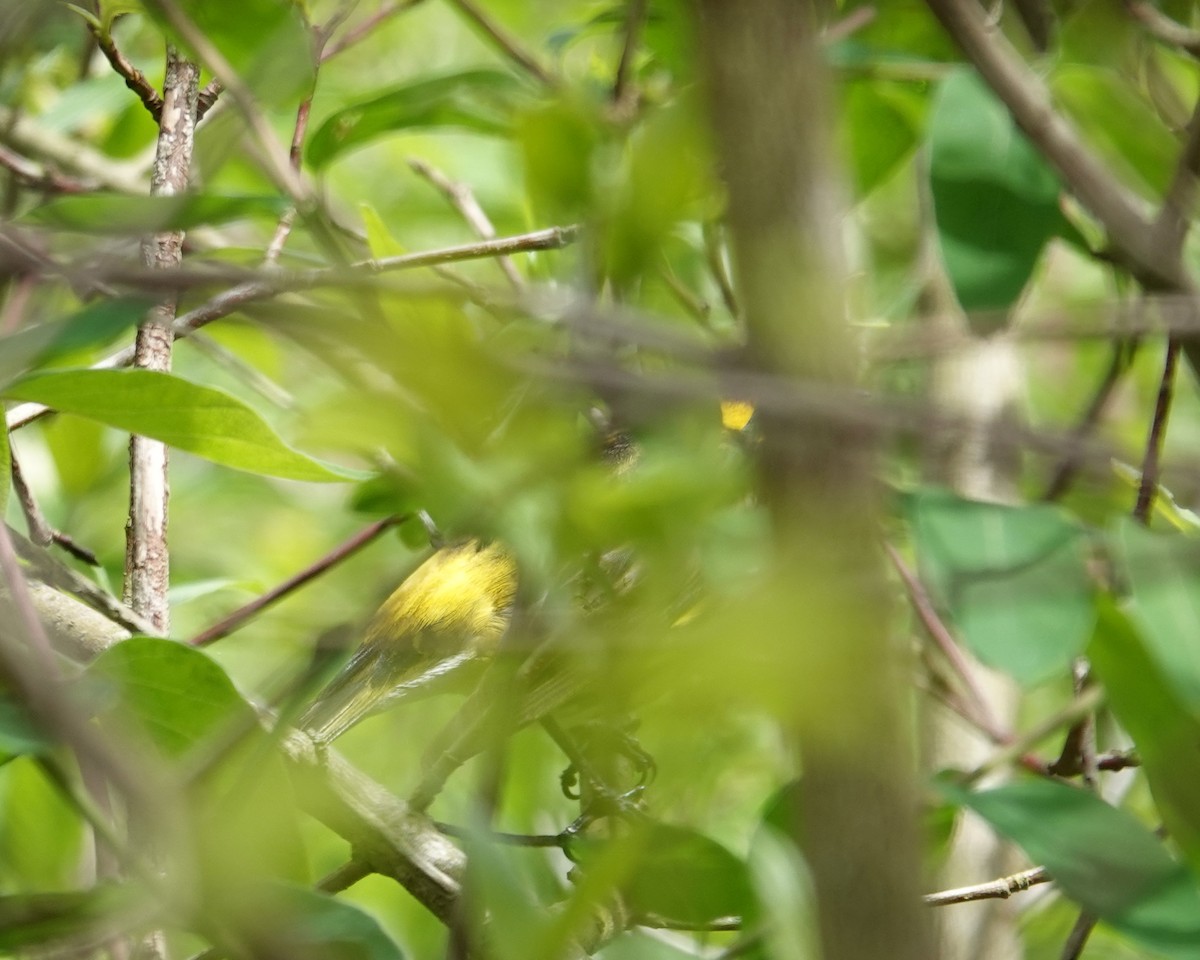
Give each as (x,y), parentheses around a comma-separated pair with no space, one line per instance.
(575,401)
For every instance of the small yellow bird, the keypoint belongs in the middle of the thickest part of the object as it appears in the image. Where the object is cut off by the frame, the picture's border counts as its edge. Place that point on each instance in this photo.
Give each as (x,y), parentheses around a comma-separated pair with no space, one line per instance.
(450,612)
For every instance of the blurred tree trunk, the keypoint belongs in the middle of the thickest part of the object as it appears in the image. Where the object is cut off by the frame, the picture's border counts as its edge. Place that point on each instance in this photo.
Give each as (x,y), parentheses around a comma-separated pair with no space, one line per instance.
(769,97)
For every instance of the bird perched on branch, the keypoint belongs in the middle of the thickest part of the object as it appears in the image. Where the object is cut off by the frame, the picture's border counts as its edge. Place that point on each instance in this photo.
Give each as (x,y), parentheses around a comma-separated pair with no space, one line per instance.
(449,613)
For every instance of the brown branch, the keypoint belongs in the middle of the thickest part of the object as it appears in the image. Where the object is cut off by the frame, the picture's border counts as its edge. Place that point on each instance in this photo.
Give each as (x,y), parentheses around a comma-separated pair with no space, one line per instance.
(1000,889)
(39,175)
(147,555)
(1175,215)
(624,95)
(134,79)
(504,41)
(40,531)
(335,556)
(1158,429)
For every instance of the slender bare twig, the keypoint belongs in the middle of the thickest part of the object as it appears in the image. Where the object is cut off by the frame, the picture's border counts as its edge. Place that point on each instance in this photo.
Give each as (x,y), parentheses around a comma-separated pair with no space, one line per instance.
(39,175)
(946,643)
(463,200)
(1001,889)
(635,18)
(716,265)
(227,302)
(1175,215)
(258,604)
(1121,359)
(1078,937)
(850,24)
(1163,28)
(504,41)
(134,79)
(1158,429)
(40,531)
(344,877)
(364,29)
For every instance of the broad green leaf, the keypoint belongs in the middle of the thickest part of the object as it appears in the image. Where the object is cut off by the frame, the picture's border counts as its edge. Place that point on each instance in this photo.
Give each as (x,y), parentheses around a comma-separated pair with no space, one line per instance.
(481,101)
(995,199)
(879,130)
(1102,858)
(111,213)
(200,420)
(29,921)
(1014,579)
(19,735)
(676,874)
(558,143)
(97,323)
(313,925)
(267,42)
(177,695)
(1165,733)
(1163,571)
(41,832)
(1122,125)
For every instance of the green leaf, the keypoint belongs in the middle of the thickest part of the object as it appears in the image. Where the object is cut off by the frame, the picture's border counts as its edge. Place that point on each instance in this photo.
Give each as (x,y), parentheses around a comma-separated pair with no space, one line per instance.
(313,925)
(481,101)
(676,874)
(112,213)
(33,920)
(995,199)
(880,128)
(1163,571)
(19,735)
(1165,733)
(97,323)
(267,42)
(200,420)
(177,695)
(1014,579)
(1102,858)
(41,833)
(1120,123)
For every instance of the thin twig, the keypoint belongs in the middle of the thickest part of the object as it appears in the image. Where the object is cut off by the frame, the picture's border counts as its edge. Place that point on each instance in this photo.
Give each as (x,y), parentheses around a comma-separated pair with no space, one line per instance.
(344,877)
(504,41)
(624,93)
(1158,429)
(716,265)
(1120,360)
(335,556)
(1078,937)
(1000,889)
(1175,215)
(463,200)
(1163,28)
(134,79)
(368,26)
(40,531)
(39,175)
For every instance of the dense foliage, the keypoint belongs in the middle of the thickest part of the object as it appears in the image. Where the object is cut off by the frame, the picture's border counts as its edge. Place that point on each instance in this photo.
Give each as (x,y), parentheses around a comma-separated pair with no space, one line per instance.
(495,289)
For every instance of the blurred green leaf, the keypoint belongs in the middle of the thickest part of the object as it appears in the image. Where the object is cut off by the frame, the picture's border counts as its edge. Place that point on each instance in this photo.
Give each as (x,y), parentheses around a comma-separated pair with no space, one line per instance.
(177,695)
(481,101)
(315,925)
(117,213)
(1120,123)
(97,323)
(41,832)
(559,141)
(1014,579)
(200,420)
(1101,858)
(1165,733)
(995,199)
(18,733)
(881,128)
(675,874)
(1163,571)
(33,920)
(267,42)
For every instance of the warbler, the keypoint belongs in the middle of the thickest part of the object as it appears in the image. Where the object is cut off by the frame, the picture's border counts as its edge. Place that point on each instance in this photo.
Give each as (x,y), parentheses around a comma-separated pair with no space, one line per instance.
(448,613)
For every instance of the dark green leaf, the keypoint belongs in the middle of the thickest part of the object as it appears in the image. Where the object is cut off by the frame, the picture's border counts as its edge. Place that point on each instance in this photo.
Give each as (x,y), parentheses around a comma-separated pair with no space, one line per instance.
(200,420)
(881,128)
(312,926)
(1014,579)
(177,695)
(1102,858)
(18,733)
(122,214)
(33,920)
(995,199)
(481,101)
